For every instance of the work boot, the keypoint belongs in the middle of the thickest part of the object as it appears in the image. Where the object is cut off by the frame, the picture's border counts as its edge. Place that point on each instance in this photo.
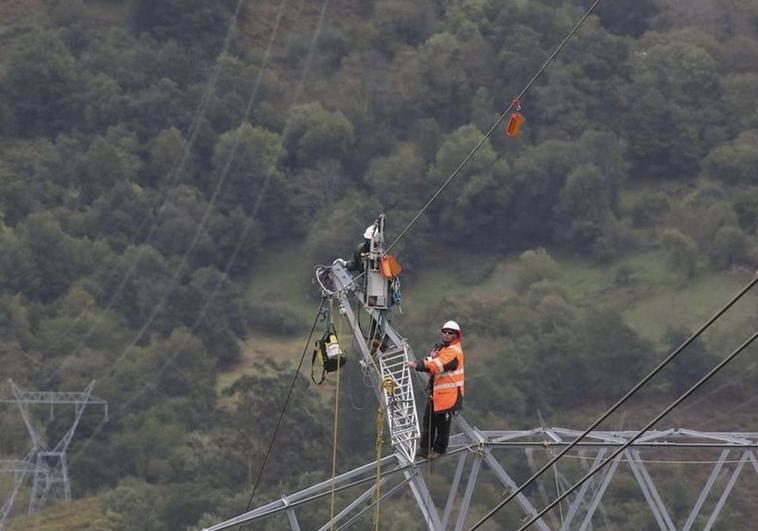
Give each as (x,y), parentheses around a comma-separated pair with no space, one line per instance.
(434,455)
(421,454)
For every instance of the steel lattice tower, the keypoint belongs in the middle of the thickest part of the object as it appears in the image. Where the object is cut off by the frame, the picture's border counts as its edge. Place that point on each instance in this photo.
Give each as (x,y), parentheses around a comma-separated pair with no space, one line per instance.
(47,462)
(382,347)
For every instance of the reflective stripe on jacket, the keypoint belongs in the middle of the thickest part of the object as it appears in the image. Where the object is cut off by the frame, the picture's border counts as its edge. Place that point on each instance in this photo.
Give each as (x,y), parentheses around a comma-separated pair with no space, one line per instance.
(445,384)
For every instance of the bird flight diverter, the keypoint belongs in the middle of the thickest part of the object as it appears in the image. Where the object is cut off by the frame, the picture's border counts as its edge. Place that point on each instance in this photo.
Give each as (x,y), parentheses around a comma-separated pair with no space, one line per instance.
(515,121)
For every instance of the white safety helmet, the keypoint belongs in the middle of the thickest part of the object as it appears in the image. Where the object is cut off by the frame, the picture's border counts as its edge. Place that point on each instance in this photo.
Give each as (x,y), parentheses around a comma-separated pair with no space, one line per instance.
(369,233)
(451,325)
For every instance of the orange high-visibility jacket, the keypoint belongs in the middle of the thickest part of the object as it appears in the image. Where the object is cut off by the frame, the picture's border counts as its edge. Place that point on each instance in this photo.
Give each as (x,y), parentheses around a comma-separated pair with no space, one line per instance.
(446,383)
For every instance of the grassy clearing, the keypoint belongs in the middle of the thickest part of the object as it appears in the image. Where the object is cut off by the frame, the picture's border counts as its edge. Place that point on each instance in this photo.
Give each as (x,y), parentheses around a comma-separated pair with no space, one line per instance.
(86,514)
(655,299)
(259,347)
(691,305)
(648,295)
(283,277)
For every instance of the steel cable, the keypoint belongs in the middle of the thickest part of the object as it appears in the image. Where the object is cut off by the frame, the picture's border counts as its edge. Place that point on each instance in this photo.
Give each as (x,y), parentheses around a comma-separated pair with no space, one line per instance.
(623,399)
(284,408)
(495,125)
(637,435)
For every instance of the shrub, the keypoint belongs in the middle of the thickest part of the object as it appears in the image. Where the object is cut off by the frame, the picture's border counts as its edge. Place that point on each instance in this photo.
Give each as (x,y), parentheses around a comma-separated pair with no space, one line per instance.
(536,265)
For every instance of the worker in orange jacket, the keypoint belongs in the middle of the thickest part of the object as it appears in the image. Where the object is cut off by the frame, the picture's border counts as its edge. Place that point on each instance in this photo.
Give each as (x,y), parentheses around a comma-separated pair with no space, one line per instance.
(445,365)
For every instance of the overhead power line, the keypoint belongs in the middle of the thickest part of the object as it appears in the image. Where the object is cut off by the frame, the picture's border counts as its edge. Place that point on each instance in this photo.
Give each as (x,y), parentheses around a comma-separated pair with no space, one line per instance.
(172,176)
(284,408)
(623,399)
(637,435)
(495,125)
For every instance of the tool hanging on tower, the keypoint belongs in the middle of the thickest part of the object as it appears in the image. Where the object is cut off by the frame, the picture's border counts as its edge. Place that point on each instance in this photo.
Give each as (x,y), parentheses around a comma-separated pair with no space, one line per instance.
(328,351)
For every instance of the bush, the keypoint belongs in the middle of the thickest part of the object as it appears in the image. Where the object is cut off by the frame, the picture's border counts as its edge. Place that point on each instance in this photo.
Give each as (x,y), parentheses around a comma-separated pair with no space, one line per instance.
(648,209)
(737,164)
(615,238)
(274,318)
(730,247)
(536,265)
(475,273)
(681,252)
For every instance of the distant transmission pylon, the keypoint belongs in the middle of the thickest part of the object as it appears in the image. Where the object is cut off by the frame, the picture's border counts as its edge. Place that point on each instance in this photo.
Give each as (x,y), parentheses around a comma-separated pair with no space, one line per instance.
(19,469)
(47,461)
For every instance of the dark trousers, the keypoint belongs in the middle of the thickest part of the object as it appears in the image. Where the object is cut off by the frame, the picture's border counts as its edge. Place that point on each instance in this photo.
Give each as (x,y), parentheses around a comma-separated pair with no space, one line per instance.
(435,430)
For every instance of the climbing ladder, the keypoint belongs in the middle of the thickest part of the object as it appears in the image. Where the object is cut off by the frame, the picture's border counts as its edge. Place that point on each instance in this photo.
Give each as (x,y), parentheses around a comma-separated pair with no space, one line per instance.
(399,400)
(388,352)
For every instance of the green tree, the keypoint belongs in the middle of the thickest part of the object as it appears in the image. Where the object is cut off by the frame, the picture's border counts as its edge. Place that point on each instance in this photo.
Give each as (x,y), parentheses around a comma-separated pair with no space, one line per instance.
(56,258)
(212,303)
(399,22)
(191,22)
(674,83)
(41,82)
(131,503)
(181,227)
(303,433)
(109,160)
(662,143)
(594,356)
(119,215)
(539,176)
(746,208)
(734,163)
(740,90)
(628,17)
(339,228)
(482,189)
(536,265)
(681,252)
(105,101)
(584,206)
(397,180)
(168,160)
(687,369)
(315,133)
(245,158)
(730,247)
(156,107)
(136,281)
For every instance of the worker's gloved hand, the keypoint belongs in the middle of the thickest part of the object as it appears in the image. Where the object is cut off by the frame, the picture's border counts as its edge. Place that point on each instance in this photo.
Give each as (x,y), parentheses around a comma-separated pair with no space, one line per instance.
(411,364)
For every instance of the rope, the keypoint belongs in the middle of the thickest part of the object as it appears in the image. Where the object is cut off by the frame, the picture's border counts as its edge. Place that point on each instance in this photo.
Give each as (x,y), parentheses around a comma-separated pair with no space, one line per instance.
(336,422)
(377,481)
(284,408)
(389,386)
(623,399)
(496,124)
(639,434)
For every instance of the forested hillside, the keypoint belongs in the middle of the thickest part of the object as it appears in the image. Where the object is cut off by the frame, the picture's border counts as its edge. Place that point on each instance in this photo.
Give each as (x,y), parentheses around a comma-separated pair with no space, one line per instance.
(170,169)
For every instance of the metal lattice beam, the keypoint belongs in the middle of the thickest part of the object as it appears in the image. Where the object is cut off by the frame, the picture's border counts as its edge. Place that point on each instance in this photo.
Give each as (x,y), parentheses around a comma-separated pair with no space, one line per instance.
(583,507)
(383,354)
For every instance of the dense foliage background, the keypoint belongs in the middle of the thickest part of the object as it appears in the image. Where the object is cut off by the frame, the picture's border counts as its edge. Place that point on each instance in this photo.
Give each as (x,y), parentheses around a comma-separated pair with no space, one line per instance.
(154,160)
